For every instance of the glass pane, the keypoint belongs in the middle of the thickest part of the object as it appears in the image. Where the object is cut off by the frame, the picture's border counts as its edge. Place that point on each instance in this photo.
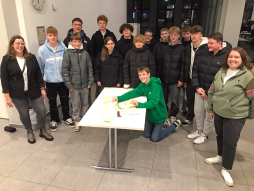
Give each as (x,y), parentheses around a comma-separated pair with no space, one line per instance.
(161,5)
(195,17)
(136,16)
(145,4)
(137,4)
(187,4)
(186,16)
(197,4)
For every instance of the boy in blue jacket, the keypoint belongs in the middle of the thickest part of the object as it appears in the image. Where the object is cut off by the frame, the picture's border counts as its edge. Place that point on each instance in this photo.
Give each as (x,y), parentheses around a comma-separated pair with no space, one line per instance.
(50,57)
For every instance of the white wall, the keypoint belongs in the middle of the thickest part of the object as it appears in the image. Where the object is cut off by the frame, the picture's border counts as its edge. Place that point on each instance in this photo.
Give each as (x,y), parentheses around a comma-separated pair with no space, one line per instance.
(87,10)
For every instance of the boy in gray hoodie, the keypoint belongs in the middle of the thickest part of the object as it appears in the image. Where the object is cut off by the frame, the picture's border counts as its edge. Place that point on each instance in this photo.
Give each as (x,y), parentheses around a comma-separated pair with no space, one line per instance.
(77,72)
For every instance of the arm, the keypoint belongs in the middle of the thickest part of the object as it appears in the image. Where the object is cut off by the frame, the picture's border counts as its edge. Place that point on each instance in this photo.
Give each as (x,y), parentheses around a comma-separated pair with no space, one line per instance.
(93,50)
(160,60)
(182,62)
(137,92)
(41,61)
(126,69)
(66,65)
(5,74)
(209,100)
(97,68)
(152,66)
(250,95)
(38,70)
(195,73)
(90,70)
(120,81)
(66,42)
(90,48)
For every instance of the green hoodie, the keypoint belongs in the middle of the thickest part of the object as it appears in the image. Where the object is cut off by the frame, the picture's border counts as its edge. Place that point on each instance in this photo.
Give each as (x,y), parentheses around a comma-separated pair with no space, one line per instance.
(156,109)
(234,99)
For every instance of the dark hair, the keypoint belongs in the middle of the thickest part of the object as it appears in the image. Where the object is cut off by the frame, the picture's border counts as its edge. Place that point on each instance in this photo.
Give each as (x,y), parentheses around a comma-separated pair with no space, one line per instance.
(148,30)
(126,26)
(77,19)
(217,36)
(196,28)
(11,52)
(102,18)
(75,36)
(186,28)
(244,56)
(104,51)
(143,68)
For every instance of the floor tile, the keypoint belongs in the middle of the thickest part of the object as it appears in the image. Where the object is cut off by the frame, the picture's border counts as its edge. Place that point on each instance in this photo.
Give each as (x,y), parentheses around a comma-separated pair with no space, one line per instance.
(65,128)
(176,160)
(115,181)
(251,188)
(245,148)
(64,143)
(41,167)
(6,136)
(77,174)
(170,181)
(50,188)
(137,136)
(10,184)
(11,158)
(2,179)
(103,132)
(209,146)
(212,172)
(248,169)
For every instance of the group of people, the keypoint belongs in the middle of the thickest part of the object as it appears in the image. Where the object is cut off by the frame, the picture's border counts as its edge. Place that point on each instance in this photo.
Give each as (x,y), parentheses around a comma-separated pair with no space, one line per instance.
(216,79)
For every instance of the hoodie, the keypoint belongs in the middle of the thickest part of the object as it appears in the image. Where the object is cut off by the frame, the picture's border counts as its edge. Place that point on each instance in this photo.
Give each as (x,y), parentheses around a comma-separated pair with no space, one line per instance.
(124,45)
(50,62)
(156,109)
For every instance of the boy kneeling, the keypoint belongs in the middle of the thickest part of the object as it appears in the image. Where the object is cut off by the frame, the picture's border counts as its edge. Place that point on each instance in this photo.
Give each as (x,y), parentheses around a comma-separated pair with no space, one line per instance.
(156,113)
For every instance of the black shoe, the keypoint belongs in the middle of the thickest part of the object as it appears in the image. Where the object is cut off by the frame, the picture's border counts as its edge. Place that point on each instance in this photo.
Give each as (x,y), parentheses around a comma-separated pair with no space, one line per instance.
(30,136)
(186,122)
(46,135)
(53,126)
(69,122)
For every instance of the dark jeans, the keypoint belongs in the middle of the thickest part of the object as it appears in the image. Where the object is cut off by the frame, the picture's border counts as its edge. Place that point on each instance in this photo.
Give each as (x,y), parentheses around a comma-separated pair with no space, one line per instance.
(52,90)
(38,106)
(228,133)
(190,93)
(154,131)
(184,106)
(174,92)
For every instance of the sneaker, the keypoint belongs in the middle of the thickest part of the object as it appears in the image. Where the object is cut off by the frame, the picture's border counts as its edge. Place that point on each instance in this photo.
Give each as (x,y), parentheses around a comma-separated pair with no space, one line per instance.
(227,177)
(201,139)
(53,125)
(76,128)
(69,122)
(193,135)
(186,122)
(172,119)
(177,123)
(214,160)
(166,123)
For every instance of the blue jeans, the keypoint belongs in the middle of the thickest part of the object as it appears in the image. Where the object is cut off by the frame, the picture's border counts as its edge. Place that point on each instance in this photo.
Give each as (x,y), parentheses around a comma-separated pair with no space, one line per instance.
(154,131)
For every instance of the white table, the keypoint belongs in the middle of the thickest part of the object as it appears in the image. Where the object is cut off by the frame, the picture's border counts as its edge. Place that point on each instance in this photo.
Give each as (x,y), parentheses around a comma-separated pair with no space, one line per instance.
(93,118)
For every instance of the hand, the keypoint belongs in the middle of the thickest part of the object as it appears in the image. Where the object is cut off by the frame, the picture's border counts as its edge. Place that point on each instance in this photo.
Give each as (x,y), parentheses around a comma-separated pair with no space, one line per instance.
(114,99)
(72,89)
(9,102)
(125,88)
(179,84)
(134,102)
(43,94)
(200,91)
(118,85)
(185,84)
(88,86)
(99,83)
(211,115)
(204,96)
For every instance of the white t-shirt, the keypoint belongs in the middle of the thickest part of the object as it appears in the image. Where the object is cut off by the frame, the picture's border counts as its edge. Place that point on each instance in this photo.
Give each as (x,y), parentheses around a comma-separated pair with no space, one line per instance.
(21,62)
(230,73)
(54,49)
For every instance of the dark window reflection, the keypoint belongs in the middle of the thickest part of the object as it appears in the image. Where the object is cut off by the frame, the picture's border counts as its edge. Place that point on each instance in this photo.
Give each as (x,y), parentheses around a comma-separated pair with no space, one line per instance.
(145,4)
(197,4)
(137,4)
(187,4)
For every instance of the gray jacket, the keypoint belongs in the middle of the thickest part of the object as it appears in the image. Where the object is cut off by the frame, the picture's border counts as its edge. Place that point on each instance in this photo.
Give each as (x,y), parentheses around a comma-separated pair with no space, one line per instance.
(77,69)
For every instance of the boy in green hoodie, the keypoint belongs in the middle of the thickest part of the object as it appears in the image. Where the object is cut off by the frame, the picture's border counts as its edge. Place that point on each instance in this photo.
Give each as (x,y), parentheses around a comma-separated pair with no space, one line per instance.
(156,113)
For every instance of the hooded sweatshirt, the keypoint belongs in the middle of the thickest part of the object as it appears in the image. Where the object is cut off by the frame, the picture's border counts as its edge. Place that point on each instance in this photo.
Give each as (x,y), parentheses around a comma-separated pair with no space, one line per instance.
(50,62)
(124,45)
(156,109)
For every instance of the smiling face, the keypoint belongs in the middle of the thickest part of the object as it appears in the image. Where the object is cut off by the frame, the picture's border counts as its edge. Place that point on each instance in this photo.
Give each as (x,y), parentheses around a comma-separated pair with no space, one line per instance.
(139,44)
(144,76)
(110,45)
(213,45)
(234,60)
(52,38)
(77,27)
(148,36)
(76,43)
(102,25)
(18,46)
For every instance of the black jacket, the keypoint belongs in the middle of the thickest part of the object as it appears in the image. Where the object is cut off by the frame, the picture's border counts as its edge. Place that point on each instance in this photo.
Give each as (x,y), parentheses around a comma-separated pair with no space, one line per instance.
(124,45)
(87,45)
(207,65)
(171,66)
(13,81)
(157,54)
(135,58)
(97,41)
(110,71)
(185,43)
(151,45)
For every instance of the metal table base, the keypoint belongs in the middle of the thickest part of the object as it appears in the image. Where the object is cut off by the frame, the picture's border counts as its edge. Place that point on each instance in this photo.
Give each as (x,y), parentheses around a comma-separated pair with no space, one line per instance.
(110,168)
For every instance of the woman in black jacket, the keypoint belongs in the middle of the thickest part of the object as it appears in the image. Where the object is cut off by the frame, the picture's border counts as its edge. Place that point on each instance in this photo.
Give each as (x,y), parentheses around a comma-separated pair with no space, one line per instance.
(23,86)
(108,67)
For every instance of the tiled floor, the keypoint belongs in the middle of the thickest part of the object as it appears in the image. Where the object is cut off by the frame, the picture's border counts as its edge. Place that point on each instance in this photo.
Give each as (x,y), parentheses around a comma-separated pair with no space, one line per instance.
(174,163)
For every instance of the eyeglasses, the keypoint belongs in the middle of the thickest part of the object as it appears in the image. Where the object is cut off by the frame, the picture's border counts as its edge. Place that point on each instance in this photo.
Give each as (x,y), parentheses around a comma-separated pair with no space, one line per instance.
(77,25)
(148,35)
(20,44)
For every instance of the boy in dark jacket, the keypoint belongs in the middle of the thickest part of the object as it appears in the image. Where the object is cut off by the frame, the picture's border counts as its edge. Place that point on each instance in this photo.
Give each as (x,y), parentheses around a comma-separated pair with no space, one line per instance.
(171,68)
(149,40)
(156,112)
(136,57)
(77,72)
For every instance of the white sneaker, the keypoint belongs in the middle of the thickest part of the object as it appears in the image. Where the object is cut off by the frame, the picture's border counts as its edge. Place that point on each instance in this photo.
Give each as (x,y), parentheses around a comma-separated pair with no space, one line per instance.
(166,123)
(53,126)
(227,177)
(193,135)
(69,122)
(177,123)
(214,160)
(201,139)
(172,120)
(76,127)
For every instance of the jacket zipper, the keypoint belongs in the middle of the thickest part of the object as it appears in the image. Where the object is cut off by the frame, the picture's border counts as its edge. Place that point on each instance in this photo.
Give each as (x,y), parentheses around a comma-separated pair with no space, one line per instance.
(79,69)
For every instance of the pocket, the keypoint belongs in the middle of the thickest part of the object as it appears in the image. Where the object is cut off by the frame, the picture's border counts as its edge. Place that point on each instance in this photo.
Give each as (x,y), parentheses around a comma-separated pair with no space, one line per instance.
(224,106)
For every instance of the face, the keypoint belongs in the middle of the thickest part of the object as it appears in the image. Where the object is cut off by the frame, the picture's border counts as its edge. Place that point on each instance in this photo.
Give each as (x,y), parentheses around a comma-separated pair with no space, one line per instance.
(144,76)
(186,35)
(18,46)
(77,26)
(110,45)
(76,43)
(174,37)
(139,44)
(127,33)
(213,45)
(195,37)
(102,25)
(164,35)
(148,36)
(234,60)
(52,38)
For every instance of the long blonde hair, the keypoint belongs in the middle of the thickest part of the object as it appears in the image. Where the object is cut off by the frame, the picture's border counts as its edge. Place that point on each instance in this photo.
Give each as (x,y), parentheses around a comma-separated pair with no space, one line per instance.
(104,51)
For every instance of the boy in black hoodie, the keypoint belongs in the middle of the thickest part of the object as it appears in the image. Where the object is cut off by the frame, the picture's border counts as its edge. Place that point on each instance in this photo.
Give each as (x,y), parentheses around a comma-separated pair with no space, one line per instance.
(149,40)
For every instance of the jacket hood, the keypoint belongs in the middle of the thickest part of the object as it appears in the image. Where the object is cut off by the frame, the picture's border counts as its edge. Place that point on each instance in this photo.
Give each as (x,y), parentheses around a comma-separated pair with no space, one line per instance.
(60,47)
(70,47)
(126,40)
(225,48)
(82,33)
(178,42)
(204,41)
(154,80)
(139,49)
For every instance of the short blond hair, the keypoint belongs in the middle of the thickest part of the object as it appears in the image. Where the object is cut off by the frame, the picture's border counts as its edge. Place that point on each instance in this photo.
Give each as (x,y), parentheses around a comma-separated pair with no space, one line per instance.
(51,30)
(174,29)
(139,38)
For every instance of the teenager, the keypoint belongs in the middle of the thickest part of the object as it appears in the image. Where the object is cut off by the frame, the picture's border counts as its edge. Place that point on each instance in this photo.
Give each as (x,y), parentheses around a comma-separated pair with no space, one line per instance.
(149,40)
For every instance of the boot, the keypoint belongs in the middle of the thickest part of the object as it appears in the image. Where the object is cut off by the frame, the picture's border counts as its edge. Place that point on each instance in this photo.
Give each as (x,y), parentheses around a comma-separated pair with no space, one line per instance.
(46,135)
(30,136)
